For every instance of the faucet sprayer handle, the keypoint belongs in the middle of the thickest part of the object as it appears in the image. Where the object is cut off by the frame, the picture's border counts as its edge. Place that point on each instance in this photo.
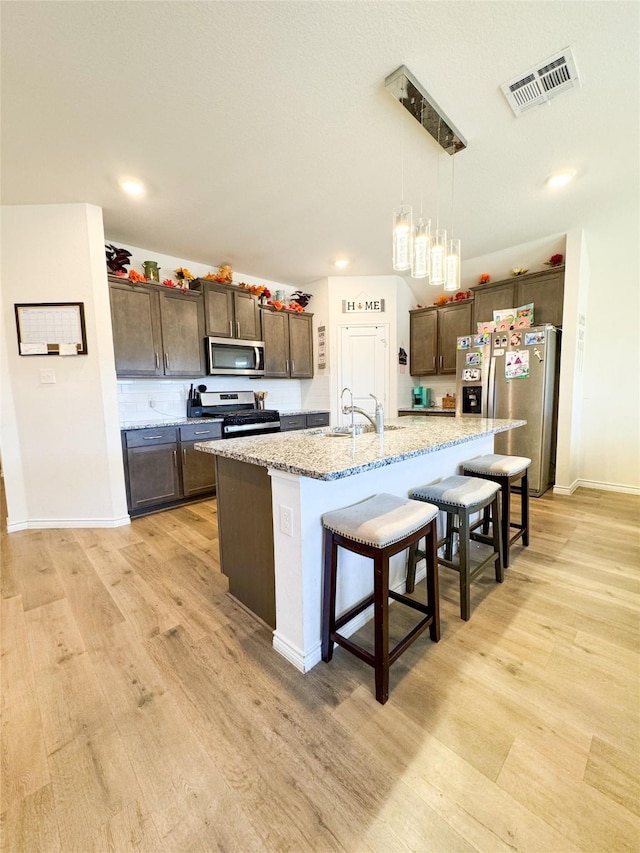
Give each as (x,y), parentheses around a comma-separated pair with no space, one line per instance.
(378,403)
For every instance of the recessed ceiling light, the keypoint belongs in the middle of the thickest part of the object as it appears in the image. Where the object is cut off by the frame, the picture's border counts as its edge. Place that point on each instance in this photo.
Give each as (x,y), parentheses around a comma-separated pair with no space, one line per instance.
(131,186)
(341,262)
(560,179)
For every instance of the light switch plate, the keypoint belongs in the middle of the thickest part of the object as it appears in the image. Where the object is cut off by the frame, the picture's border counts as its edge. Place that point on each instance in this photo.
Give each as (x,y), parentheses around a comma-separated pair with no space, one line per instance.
(47,376)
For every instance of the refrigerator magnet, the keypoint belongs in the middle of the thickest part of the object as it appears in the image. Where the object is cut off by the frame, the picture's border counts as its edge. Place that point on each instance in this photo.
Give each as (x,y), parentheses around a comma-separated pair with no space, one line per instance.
(464,342)
(516,339)
(481,340)
(532,338)
(516,364)
(473,359)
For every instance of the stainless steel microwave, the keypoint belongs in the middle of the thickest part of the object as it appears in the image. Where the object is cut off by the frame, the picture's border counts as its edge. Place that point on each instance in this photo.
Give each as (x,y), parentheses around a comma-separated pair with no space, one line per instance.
(230,356)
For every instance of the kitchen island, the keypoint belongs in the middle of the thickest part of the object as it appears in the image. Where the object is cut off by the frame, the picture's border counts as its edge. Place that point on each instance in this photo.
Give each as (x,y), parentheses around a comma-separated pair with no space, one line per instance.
(273,490)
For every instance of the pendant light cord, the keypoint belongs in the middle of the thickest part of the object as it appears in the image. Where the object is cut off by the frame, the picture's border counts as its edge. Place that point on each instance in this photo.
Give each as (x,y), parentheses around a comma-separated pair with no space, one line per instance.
(438,182)
(453,181)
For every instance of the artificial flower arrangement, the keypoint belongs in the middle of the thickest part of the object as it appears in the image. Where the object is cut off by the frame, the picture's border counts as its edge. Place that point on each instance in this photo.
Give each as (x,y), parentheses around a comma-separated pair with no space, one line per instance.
(136,276)
(443,299)
(183,274)
(256,289)
(554,261)
(485,278)
(224,274)
(519,271)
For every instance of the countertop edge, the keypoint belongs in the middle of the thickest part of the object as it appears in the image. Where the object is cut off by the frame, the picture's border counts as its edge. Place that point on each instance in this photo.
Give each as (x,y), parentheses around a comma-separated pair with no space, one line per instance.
(229,451)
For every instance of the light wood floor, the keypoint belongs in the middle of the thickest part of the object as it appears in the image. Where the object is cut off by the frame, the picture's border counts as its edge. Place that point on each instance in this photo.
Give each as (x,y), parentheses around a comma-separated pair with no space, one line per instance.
(144,710)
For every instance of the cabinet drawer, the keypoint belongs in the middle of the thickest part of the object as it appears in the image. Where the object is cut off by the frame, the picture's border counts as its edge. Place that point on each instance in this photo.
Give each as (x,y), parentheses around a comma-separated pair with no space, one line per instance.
(318,419)
(201,432)
(292,422)
(149,437)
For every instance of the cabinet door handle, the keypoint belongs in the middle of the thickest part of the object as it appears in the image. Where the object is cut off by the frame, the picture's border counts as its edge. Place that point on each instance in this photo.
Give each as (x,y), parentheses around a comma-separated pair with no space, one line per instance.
(202,432)
(287,365)
(184,455)
(434,362)
(157,361)
(150,437)
(293,366)
(166,361)
(175,458)
(237,328)
(230,329)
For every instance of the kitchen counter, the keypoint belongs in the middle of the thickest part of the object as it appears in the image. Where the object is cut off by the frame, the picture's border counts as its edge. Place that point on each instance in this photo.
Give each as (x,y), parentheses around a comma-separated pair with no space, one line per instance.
(274,489)
(303,411)
(167,421)
(317,454)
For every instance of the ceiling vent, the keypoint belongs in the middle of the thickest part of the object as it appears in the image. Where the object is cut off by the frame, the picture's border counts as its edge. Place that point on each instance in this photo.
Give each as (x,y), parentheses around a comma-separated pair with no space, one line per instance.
(538,85)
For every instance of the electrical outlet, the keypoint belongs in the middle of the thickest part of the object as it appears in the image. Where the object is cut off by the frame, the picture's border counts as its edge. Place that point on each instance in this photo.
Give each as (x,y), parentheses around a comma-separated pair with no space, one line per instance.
(152,402)
(286,520)
(47,376)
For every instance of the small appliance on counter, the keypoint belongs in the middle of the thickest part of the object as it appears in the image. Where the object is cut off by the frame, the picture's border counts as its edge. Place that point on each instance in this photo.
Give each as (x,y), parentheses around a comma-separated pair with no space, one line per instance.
(420,397)
(239,411)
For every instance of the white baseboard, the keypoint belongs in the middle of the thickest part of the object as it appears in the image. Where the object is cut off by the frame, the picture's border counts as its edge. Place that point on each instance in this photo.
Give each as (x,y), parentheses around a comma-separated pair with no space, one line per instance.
(48,523)
(304,662)
(609,487)
(596,484)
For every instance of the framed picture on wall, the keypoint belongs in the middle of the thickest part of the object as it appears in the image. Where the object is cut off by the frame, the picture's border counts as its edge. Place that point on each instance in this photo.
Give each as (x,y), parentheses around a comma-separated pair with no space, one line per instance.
(51,328)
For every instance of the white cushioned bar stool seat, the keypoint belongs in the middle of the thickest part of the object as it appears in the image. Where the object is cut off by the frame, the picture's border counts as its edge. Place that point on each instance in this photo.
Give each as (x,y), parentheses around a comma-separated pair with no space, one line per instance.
(461,497)
(506,471)
(379,527)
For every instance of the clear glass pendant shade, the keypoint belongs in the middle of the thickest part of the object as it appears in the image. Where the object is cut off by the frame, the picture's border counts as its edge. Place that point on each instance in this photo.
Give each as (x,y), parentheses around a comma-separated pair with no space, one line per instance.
(402,228)
(437,257)
(452,266)
(421,246)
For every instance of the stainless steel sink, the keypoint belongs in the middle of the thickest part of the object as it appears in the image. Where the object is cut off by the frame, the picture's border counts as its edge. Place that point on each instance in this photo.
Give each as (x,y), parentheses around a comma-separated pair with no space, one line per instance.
(361,429)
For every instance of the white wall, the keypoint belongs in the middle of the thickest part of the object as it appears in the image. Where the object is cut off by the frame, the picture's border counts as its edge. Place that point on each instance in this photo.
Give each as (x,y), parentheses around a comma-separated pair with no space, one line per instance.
(60,442)
(374,288)
(610,439)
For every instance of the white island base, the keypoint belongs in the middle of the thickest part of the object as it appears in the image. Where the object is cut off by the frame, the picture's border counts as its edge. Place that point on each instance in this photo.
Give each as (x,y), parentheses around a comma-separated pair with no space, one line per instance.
(298,553)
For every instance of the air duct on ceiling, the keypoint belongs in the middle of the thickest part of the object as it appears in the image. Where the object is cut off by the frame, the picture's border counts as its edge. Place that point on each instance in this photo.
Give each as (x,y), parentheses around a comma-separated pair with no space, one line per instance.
(538,85)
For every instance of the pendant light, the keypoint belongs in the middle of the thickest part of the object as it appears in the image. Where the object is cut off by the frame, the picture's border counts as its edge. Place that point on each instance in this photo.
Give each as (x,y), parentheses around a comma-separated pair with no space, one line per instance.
(420,261)
(452,260)
(438,246)
(402,225)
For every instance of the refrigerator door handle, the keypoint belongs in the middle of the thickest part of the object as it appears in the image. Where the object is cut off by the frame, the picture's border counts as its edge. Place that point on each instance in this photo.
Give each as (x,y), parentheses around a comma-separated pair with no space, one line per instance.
(491,390)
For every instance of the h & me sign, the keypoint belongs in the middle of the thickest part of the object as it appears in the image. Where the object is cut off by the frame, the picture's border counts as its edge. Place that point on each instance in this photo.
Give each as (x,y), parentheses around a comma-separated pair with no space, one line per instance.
(362,304)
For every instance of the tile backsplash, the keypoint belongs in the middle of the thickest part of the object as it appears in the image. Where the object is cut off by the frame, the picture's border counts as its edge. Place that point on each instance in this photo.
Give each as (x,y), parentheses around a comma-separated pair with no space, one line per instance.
(143,401)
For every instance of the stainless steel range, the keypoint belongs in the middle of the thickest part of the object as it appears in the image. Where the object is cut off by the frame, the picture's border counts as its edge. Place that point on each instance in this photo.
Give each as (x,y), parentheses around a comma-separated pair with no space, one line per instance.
(239,411)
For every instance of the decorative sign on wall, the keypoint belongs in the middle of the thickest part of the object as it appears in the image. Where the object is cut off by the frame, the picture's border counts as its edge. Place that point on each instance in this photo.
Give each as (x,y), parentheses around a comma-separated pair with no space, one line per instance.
(51,328)
(322,352)
(363,305)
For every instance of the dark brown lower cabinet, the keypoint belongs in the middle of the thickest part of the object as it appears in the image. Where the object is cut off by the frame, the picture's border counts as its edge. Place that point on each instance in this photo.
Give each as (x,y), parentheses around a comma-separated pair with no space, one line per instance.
(245,534)
(163,468)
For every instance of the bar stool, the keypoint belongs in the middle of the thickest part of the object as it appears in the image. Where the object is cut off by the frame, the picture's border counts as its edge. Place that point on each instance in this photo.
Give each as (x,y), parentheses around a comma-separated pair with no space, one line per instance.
(461,497)
(504,470)
(379,527)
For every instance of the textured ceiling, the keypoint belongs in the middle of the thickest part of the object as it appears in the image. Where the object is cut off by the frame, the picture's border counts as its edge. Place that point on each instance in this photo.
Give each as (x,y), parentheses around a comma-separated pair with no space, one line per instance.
(266,137)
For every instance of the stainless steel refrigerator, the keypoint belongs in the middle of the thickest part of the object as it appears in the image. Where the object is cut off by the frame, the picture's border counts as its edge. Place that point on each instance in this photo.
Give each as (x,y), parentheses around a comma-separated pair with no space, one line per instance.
(514,374)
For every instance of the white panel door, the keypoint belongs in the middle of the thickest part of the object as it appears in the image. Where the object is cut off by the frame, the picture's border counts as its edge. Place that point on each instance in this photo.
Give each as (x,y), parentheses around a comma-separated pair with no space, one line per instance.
(364,367)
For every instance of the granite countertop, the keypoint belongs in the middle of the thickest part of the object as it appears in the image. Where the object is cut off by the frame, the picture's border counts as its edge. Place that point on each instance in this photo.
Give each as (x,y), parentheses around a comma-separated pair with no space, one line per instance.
(312,453)
(168,421)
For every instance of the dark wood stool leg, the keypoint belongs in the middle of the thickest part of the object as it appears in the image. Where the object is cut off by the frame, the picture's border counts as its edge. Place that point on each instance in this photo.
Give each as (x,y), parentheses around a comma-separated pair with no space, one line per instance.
(463,559)
(329,594)
(497,538)
(448,545)
(433,594)
(485,521)
(506,520)
(411,568)
(381,624)
(524,498)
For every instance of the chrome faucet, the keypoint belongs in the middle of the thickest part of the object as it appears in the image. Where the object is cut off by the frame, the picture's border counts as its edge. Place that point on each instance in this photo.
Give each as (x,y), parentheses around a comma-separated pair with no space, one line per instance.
(377,423)
(347,409)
